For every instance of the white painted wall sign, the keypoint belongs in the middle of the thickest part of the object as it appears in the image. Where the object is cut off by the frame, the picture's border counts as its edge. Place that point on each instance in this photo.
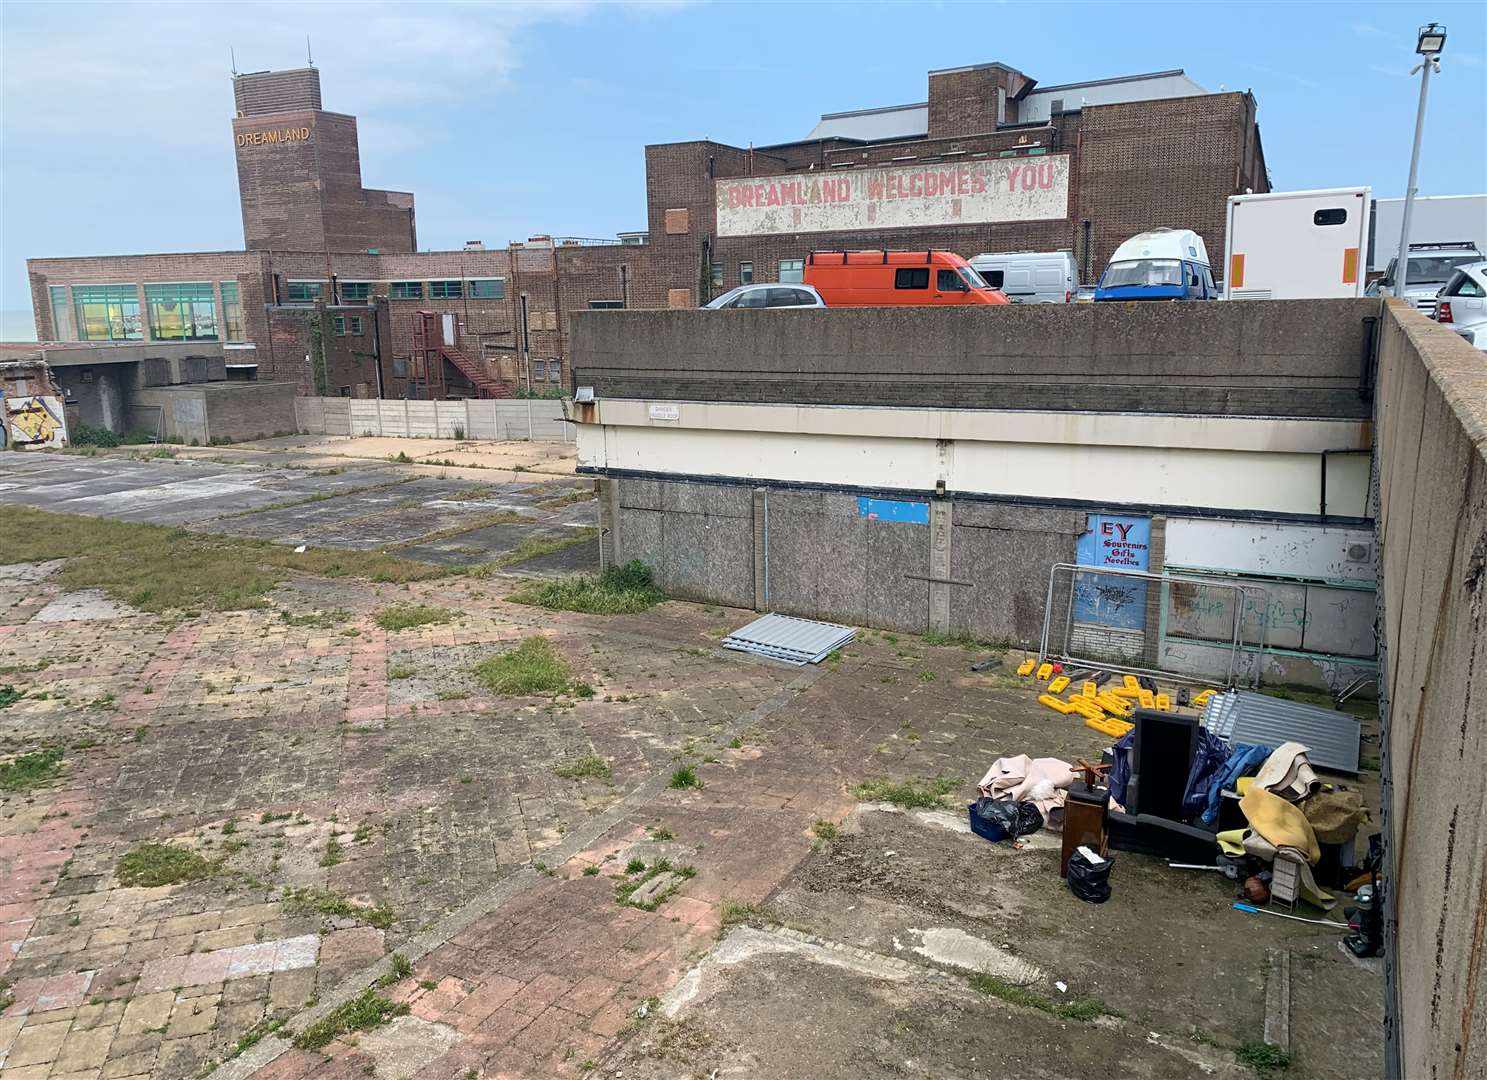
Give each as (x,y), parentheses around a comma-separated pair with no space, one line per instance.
(665,412)
(965,193)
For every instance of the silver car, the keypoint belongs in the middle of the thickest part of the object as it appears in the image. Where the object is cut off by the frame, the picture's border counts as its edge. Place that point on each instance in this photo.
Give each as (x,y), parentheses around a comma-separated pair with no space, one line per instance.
(768,295)
(1462,304)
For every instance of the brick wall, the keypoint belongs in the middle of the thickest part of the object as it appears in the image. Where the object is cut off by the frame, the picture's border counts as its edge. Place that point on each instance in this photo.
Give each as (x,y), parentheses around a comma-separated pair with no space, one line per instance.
(263,92)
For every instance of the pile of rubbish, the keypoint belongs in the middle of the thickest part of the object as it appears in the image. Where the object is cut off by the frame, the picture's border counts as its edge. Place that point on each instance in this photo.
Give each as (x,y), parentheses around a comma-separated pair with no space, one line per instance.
(1256,813)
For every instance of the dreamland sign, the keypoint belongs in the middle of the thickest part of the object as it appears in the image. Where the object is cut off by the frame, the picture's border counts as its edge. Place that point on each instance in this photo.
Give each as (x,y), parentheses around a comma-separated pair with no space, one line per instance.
(973,193)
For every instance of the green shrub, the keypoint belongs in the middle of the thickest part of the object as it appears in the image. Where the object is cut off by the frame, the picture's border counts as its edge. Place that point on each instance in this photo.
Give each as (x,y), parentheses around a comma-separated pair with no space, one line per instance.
(620,590)
(88,435)
(684,777)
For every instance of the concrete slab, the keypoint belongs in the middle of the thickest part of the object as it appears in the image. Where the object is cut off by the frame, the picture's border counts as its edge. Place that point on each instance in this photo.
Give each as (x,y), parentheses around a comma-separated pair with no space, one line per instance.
(406,1045)
(84,606)
(576,558)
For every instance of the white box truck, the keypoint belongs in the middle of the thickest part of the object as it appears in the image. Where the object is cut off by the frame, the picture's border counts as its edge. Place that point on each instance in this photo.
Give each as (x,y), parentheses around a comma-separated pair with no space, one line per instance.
(1292,245)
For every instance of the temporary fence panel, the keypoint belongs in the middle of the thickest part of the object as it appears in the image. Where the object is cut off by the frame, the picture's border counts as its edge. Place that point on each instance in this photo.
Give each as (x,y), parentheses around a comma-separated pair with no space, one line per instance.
(793,640)
(1330,737)
(1132,620)
(537,420)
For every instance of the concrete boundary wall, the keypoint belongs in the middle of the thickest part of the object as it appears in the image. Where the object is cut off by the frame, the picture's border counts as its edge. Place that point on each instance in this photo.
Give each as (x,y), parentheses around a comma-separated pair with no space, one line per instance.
(1279,358)
(1432,522)
(537,420)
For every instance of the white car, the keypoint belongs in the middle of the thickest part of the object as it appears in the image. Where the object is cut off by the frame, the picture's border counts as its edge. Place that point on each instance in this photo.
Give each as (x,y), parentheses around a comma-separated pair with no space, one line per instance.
(1462,304)
(767,295)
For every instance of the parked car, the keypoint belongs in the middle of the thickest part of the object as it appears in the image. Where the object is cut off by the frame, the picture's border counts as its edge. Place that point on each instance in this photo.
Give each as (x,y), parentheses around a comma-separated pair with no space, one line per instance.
(773,294)
(892,278)
(1462,304)
(1030,277)
(1085,294)
(1430,267)
(1160,264)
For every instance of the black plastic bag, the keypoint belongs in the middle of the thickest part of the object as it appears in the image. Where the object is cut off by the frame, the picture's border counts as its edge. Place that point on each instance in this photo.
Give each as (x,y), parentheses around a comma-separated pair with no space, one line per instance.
(1013,818)
(1088,880)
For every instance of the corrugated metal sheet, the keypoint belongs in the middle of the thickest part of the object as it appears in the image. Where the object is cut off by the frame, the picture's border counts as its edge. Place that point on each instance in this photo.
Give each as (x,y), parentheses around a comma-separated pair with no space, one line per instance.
(1330,737)
(795,641)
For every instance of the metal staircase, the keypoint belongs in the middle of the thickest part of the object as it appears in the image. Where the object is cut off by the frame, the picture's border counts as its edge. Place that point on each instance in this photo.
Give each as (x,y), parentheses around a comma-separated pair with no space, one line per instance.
(433,346)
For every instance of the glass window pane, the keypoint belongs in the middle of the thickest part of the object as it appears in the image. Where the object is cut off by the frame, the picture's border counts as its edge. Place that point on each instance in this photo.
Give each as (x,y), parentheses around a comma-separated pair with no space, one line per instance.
(446,290)
(182,311)
(61,313)
(108,313)
(232,310)
(746,273)
(792,270)
(488,289)
(355,290)
(407,290)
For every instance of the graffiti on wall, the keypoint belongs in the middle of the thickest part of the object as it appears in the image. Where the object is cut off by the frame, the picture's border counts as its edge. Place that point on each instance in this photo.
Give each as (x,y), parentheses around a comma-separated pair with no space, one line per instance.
(31,421)
(973,193)
(1121,543)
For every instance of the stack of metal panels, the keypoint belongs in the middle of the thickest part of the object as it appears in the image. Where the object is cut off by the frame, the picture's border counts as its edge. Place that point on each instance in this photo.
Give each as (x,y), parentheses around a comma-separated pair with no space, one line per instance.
(795,641)
(1330,737)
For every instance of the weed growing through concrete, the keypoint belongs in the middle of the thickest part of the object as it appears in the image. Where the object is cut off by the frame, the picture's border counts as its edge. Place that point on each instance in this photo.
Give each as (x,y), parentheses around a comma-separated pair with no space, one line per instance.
(407,616)
(660,833)
(1262,1057)
(155,568)
(826,830)
(584,768)
(402,671)
(149,866)
(361,1013)
(30,770)
(634,866)
(684,777)
(912,794)
(253,1035)
(333,905)
(334,853)
(591,871)
(626,889)
(620,590)
(731,912)
(533,667)
(1080,1009)
(9,695)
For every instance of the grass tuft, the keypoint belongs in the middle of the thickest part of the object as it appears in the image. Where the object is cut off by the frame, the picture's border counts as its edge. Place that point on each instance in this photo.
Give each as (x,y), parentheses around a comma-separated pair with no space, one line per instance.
(912,794)
(584,768)
(533,667)
(148,866)
(732,911)
(1262,1057)
(1081,1009)
(826,830)
(29,770)
(361,1013)
(407,616)
(619,590)
(334,905)
(684,777)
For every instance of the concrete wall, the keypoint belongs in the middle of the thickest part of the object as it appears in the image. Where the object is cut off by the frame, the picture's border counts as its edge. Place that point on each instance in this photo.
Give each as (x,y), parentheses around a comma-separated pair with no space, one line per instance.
(1432,447)
(224,412)
(1283,358)
(537,419)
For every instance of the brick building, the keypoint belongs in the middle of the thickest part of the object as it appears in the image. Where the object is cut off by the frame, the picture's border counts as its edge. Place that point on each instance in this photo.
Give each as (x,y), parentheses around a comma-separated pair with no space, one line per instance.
(989,162)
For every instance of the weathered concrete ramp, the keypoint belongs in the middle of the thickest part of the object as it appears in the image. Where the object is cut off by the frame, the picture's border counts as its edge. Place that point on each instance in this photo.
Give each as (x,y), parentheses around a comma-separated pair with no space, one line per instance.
(1432,471)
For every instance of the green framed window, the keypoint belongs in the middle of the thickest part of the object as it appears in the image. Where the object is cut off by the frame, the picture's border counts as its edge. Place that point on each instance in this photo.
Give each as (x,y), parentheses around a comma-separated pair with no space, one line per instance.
(446,290)
(182,311)
(354,326)
(61,313)
(488,289)
(232,310)
(406,290)
(108,313)
(356,290)
(605,305)
(302,292)
(339,322)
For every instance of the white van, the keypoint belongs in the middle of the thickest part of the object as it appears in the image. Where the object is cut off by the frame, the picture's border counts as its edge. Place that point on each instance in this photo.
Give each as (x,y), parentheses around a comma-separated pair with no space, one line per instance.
(1031,277)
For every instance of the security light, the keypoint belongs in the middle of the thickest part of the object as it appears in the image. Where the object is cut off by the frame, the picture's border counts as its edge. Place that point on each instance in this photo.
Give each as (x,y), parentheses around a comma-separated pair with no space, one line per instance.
(1432,40)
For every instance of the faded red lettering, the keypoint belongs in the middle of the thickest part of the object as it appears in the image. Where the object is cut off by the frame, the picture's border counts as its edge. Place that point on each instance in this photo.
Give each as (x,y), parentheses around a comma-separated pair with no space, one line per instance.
(1045,176)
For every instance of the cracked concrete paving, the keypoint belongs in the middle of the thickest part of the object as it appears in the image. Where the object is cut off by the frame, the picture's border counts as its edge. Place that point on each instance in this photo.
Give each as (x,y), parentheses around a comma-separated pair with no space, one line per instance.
(372,815)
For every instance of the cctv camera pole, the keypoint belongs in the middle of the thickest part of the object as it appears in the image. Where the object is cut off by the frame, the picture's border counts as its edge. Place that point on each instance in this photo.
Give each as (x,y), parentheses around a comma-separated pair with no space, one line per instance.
(1401,265)
(526,353)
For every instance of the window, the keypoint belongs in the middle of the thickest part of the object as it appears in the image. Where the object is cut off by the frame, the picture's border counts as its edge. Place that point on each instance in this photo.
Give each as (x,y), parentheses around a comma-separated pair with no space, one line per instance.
(539,370)
(446,290)
(356,329)
(61,314)
(488,289)
(993,278)
(340,325)
(788,298)
(344,391)
(605,305)
(753,298)
(950,281)
(1208,282)
(554,371)
(792,269)
(399,367)
(232,310)
(1141,272)
(182,312)
(746,273)
(715,275)
(108,313)
(911,277)
(356,290)
(1332,216)
(406,290)
(1463,285)
(302,292)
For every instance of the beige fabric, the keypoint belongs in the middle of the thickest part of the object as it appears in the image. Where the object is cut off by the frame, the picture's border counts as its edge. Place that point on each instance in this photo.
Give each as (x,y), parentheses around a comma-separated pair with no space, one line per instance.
(1279,823)
(1288,773)
(1041,781)
(1335,815)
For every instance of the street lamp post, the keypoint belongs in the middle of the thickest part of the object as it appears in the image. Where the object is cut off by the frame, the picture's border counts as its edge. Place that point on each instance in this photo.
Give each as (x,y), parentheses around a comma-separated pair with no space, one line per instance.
(1431,40)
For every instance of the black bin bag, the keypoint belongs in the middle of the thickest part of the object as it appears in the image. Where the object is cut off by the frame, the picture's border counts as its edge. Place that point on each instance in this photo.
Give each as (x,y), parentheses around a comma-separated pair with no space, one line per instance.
(1090,881)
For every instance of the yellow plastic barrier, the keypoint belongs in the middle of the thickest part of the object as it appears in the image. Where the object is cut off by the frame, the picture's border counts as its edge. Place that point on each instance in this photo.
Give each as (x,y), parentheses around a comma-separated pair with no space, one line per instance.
(1044,672)
(1055,704)
(1164,702)
(1114,728)
(1026,667)
(1090,690)
(1114,705)
(1130,682)
(1126,692)
(1085,707)
(1147,699)
(1058,685)
(1201,698)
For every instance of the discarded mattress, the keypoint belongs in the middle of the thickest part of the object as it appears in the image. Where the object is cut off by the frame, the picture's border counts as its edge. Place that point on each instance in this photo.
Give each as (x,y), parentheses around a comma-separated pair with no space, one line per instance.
(1330,737)
(794,641)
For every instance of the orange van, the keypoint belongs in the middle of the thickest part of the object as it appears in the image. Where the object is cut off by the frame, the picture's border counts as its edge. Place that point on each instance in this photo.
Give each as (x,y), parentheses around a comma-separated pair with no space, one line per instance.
(887,278)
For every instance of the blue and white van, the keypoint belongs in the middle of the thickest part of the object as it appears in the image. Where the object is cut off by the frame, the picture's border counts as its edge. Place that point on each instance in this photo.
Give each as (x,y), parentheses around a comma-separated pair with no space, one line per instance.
(1160,264)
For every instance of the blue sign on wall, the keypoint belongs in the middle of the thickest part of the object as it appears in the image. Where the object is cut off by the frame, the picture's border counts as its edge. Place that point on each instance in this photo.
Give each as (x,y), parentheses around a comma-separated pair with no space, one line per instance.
(1123,543)
(916,513)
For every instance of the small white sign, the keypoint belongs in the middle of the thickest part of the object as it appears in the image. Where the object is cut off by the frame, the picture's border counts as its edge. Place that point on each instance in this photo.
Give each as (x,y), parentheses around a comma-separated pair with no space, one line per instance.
(665,412)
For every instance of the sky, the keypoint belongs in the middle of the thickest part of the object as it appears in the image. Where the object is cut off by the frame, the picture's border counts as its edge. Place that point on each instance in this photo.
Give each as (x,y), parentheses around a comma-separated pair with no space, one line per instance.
(519,118)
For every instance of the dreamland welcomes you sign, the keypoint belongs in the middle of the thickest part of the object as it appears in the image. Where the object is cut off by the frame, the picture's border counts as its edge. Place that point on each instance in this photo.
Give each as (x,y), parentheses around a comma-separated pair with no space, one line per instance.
(972,193)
